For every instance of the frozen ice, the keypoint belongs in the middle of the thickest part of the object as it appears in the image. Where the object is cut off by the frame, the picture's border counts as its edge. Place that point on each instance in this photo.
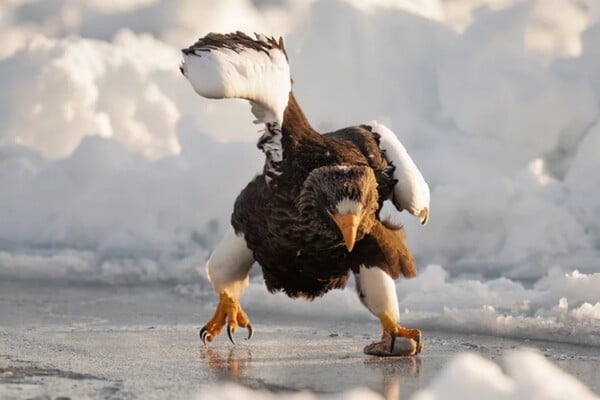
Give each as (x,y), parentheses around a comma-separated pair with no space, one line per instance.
(521,375)
(233,391)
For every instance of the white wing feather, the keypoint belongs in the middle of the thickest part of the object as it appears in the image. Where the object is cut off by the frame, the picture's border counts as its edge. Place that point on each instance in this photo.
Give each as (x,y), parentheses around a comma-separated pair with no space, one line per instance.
(263,77)
(411,193)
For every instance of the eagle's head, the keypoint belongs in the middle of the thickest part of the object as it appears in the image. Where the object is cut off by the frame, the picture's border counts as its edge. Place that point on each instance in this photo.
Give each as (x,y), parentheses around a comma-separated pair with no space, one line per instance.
(343,197)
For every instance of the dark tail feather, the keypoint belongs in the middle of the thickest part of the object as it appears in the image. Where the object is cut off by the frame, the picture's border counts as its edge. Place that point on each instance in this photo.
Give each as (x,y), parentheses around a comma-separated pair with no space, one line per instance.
(392,242)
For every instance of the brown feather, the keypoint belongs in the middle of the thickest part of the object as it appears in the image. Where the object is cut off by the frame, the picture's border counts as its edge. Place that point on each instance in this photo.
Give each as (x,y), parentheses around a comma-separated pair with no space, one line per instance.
(236,41)
(398,258)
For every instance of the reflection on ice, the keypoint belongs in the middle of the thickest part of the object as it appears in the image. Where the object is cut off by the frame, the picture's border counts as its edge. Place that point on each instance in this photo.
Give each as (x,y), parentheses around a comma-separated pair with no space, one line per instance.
(232,363)
(393,371)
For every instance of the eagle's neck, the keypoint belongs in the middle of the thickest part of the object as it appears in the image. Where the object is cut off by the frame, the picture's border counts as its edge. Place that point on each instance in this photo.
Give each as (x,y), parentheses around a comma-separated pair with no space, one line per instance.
(287,138)
(295,124)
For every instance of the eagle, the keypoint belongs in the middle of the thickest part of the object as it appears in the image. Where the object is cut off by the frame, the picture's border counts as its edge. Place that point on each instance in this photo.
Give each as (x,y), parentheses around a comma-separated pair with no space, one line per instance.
(312,217)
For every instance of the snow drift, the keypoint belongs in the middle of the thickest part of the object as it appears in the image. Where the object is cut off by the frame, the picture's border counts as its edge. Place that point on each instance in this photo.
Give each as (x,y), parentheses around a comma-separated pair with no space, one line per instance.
(527,375)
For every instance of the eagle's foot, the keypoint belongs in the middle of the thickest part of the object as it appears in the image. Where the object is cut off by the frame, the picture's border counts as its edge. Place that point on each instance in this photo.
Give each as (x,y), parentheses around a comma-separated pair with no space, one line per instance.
(392,330)
(228,311)
(392,347)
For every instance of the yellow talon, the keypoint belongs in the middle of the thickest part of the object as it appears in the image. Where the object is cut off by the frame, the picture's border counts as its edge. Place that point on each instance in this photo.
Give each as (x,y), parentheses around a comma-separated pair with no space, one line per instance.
(228,311)
(390,326)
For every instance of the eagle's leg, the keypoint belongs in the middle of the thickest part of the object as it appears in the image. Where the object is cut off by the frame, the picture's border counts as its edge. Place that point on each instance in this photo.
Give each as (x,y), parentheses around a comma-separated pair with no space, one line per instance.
(377,292)
(227,271)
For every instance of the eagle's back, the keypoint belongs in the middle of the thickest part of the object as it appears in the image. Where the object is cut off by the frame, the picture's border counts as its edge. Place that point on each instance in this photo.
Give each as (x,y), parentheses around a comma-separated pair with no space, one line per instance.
(355,145)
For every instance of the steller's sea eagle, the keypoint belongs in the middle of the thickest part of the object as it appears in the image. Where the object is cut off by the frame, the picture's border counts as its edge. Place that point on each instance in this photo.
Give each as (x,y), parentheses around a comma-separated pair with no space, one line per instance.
(312,216)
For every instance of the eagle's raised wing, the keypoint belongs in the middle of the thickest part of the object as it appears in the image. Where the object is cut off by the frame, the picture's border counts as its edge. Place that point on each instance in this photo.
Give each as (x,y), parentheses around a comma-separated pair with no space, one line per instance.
(234,65)
(411,192)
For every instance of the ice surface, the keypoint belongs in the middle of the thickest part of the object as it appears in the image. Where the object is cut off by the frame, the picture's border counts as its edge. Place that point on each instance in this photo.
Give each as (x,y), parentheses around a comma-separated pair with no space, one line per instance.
(113,170)
(232,391)
(141,341)
(527,375)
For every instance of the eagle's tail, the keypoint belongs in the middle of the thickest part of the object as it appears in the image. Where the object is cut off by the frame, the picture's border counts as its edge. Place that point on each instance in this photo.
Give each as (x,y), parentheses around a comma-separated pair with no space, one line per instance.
(235,65)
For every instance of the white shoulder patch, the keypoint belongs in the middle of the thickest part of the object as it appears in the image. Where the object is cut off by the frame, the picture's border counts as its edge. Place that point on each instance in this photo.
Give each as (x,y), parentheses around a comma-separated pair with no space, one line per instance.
(411,193)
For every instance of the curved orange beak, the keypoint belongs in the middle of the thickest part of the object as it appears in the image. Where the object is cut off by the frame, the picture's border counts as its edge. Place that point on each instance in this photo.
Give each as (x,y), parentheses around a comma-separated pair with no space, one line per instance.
(348,225)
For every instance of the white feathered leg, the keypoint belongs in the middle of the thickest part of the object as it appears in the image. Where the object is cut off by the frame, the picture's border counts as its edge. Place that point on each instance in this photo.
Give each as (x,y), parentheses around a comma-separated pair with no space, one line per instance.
(229,264)
(227,271)
(377,291)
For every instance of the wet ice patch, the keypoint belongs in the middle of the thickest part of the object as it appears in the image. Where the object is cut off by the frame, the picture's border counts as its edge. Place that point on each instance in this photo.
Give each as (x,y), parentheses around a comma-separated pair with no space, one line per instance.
(525,374)
(233,391)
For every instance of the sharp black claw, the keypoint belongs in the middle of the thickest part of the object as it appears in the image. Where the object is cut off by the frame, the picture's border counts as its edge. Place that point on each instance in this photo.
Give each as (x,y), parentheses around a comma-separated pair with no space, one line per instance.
(229,333)
(392,342)
(250,332)
(203,335)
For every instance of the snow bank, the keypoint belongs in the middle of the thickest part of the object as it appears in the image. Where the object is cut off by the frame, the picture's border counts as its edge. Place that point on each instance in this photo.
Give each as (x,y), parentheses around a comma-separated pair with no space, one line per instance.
(553,28)
(58,90)
(114,214)
(528,375)
(559,307)
(112,169)
(488,85)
